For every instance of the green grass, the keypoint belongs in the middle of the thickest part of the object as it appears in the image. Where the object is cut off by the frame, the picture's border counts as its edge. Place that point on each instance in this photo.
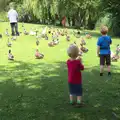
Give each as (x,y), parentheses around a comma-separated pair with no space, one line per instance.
(33,89)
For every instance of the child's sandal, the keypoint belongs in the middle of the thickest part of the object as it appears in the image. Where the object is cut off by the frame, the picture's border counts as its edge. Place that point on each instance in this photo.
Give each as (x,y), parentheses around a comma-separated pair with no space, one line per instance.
(73,103)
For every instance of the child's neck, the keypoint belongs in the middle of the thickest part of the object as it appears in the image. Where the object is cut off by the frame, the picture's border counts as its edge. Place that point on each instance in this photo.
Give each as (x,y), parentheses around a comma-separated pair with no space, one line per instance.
(104,35)
(72,58)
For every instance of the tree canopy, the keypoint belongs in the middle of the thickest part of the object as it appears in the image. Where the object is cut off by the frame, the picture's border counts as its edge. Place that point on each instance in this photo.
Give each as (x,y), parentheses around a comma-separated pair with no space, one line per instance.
(80,13)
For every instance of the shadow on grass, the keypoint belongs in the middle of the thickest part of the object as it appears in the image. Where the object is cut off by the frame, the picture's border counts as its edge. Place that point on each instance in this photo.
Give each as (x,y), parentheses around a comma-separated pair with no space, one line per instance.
(40,92)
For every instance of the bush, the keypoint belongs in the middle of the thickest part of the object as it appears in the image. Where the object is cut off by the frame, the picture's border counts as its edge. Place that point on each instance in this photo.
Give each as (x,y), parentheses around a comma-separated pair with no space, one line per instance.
(3,17)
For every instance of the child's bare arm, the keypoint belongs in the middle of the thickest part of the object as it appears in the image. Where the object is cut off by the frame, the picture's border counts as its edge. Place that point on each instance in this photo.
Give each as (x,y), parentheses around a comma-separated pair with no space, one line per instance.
(79,58)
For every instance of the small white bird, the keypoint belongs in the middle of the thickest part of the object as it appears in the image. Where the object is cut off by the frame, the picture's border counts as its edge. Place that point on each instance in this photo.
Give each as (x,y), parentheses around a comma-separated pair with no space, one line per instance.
(6,32)
(25,32)
(14,38)
(44,31)
(32,33)
(9,44)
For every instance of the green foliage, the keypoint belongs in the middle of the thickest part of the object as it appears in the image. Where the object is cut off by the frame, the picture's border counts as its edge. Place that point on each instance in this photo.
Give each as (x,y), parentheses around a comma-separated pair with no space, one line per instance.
(104,20)
(80,13)
(3,4)
(112,6)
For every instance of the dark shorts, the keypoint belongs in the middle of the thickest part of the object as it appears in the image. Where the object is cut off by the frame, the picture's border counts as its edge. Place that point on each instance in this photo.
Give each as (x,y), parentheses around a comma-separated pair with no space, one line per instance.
(75,89)
(105,59)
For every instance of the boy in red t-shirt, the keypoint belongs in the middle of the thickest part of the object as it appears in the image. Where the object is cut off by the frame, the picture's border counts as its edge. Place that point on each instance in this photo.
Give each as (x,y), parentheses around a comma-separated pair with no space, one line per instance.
(75,66)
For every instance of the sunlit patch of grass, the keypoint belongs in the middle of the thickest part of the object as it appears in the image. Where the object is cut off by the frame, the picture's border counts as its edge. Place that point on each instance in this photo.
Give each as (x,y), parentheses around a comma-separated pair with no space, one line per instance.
(33,89)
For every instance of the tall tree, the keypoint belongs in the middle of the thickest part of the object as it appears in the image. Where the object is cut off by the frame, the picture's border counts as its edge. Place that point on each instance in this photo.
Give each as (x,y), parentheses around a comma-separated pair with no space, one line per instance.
(112,6)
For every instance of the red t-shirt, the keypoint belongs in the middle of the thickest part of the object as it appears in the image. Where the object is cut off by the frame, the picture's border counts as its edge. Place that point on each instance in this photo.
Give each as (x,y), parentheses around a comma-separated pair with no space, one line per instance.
(74,71)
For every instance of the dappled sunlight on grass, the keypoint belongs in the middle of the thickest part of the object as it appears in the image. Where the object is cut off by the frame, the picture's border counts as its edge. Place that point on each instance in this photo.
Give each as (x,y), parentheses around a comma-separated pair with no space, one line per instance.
(43,89)
(33,89)
(77,116)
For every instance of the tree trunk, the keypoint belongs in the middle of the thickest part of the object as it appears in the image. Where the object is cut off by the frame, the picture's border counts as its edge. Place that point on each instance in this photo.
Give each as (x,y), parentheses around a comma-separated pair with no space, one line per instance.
(69,21)
(73,21)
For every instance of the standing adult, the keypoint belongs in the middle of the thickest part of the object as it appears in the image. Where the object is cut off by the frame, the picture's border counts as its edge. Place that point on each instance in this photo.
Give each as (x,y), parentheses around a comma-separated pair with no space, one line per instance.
(64,21)
(103,50)
(13,18)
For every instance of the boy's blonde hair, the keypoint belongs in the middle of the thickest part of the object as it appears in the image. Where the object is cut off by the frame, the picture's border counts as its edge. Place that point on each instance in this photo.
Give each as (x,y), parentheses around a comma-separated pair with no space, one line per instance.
(104,30)
(73,51)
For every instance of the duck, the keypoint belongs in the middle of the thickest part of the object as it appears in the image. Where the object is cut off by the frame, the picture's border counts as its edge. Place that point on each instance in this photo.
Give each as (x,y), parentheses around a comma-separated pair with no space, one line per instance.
(0,35)
(6,32)
(32,33)
(37,42)
(9,44)
(25,32)
(56,42)
(14,38)
(39,55)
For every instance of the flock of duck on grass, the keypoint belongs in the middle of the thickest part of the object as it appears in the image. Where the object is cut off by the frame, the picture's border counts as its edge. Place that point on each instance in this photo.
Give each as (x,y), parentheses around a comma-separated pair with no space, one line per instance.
(56,34)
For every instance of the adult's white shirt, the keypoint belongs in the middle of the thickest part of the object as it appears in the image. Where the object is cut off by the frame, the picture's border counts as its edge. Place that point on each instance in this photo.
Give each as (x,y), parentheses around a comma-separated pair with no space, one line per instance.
(13,16)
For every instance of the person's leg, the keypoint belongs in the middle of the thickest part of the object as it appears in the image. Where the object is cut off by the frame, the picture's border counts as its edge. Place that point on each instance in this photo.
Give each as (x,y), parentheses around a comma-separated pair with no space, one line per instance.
(71,99)
(16,29)
(108,63)
(102,63)
(109,68)
(79,96)
(12,28)
(101,70)
(79,99)
(79,92)
(71,90)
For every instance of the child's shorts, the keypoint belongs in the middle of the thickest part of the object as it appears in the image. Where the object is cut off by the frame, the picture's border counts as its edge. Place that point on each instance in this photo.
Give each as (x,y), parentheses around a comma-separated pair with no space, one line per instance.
(75,89)
(105,59)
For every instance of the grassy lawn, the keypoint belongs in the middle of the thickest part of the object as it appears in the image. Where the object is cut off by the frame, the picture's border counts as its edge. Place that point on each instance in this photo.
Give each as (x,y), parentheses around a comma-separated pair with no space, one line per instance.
(33,89)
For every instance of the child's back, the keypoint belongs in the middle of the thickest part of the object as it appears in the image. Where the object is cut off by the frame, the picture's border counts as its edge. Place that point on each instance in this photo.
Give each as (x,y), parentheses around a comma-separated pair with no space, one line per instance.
(104,43)
(74,74)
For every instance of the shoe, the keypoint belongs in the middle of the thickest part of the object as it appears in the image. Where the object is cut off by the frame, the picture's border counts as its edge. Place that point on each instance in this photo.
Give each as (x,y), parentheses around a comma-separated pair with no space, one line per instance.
(17,34)
(13,34)
(72,103)
(109,73)
(101,74)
